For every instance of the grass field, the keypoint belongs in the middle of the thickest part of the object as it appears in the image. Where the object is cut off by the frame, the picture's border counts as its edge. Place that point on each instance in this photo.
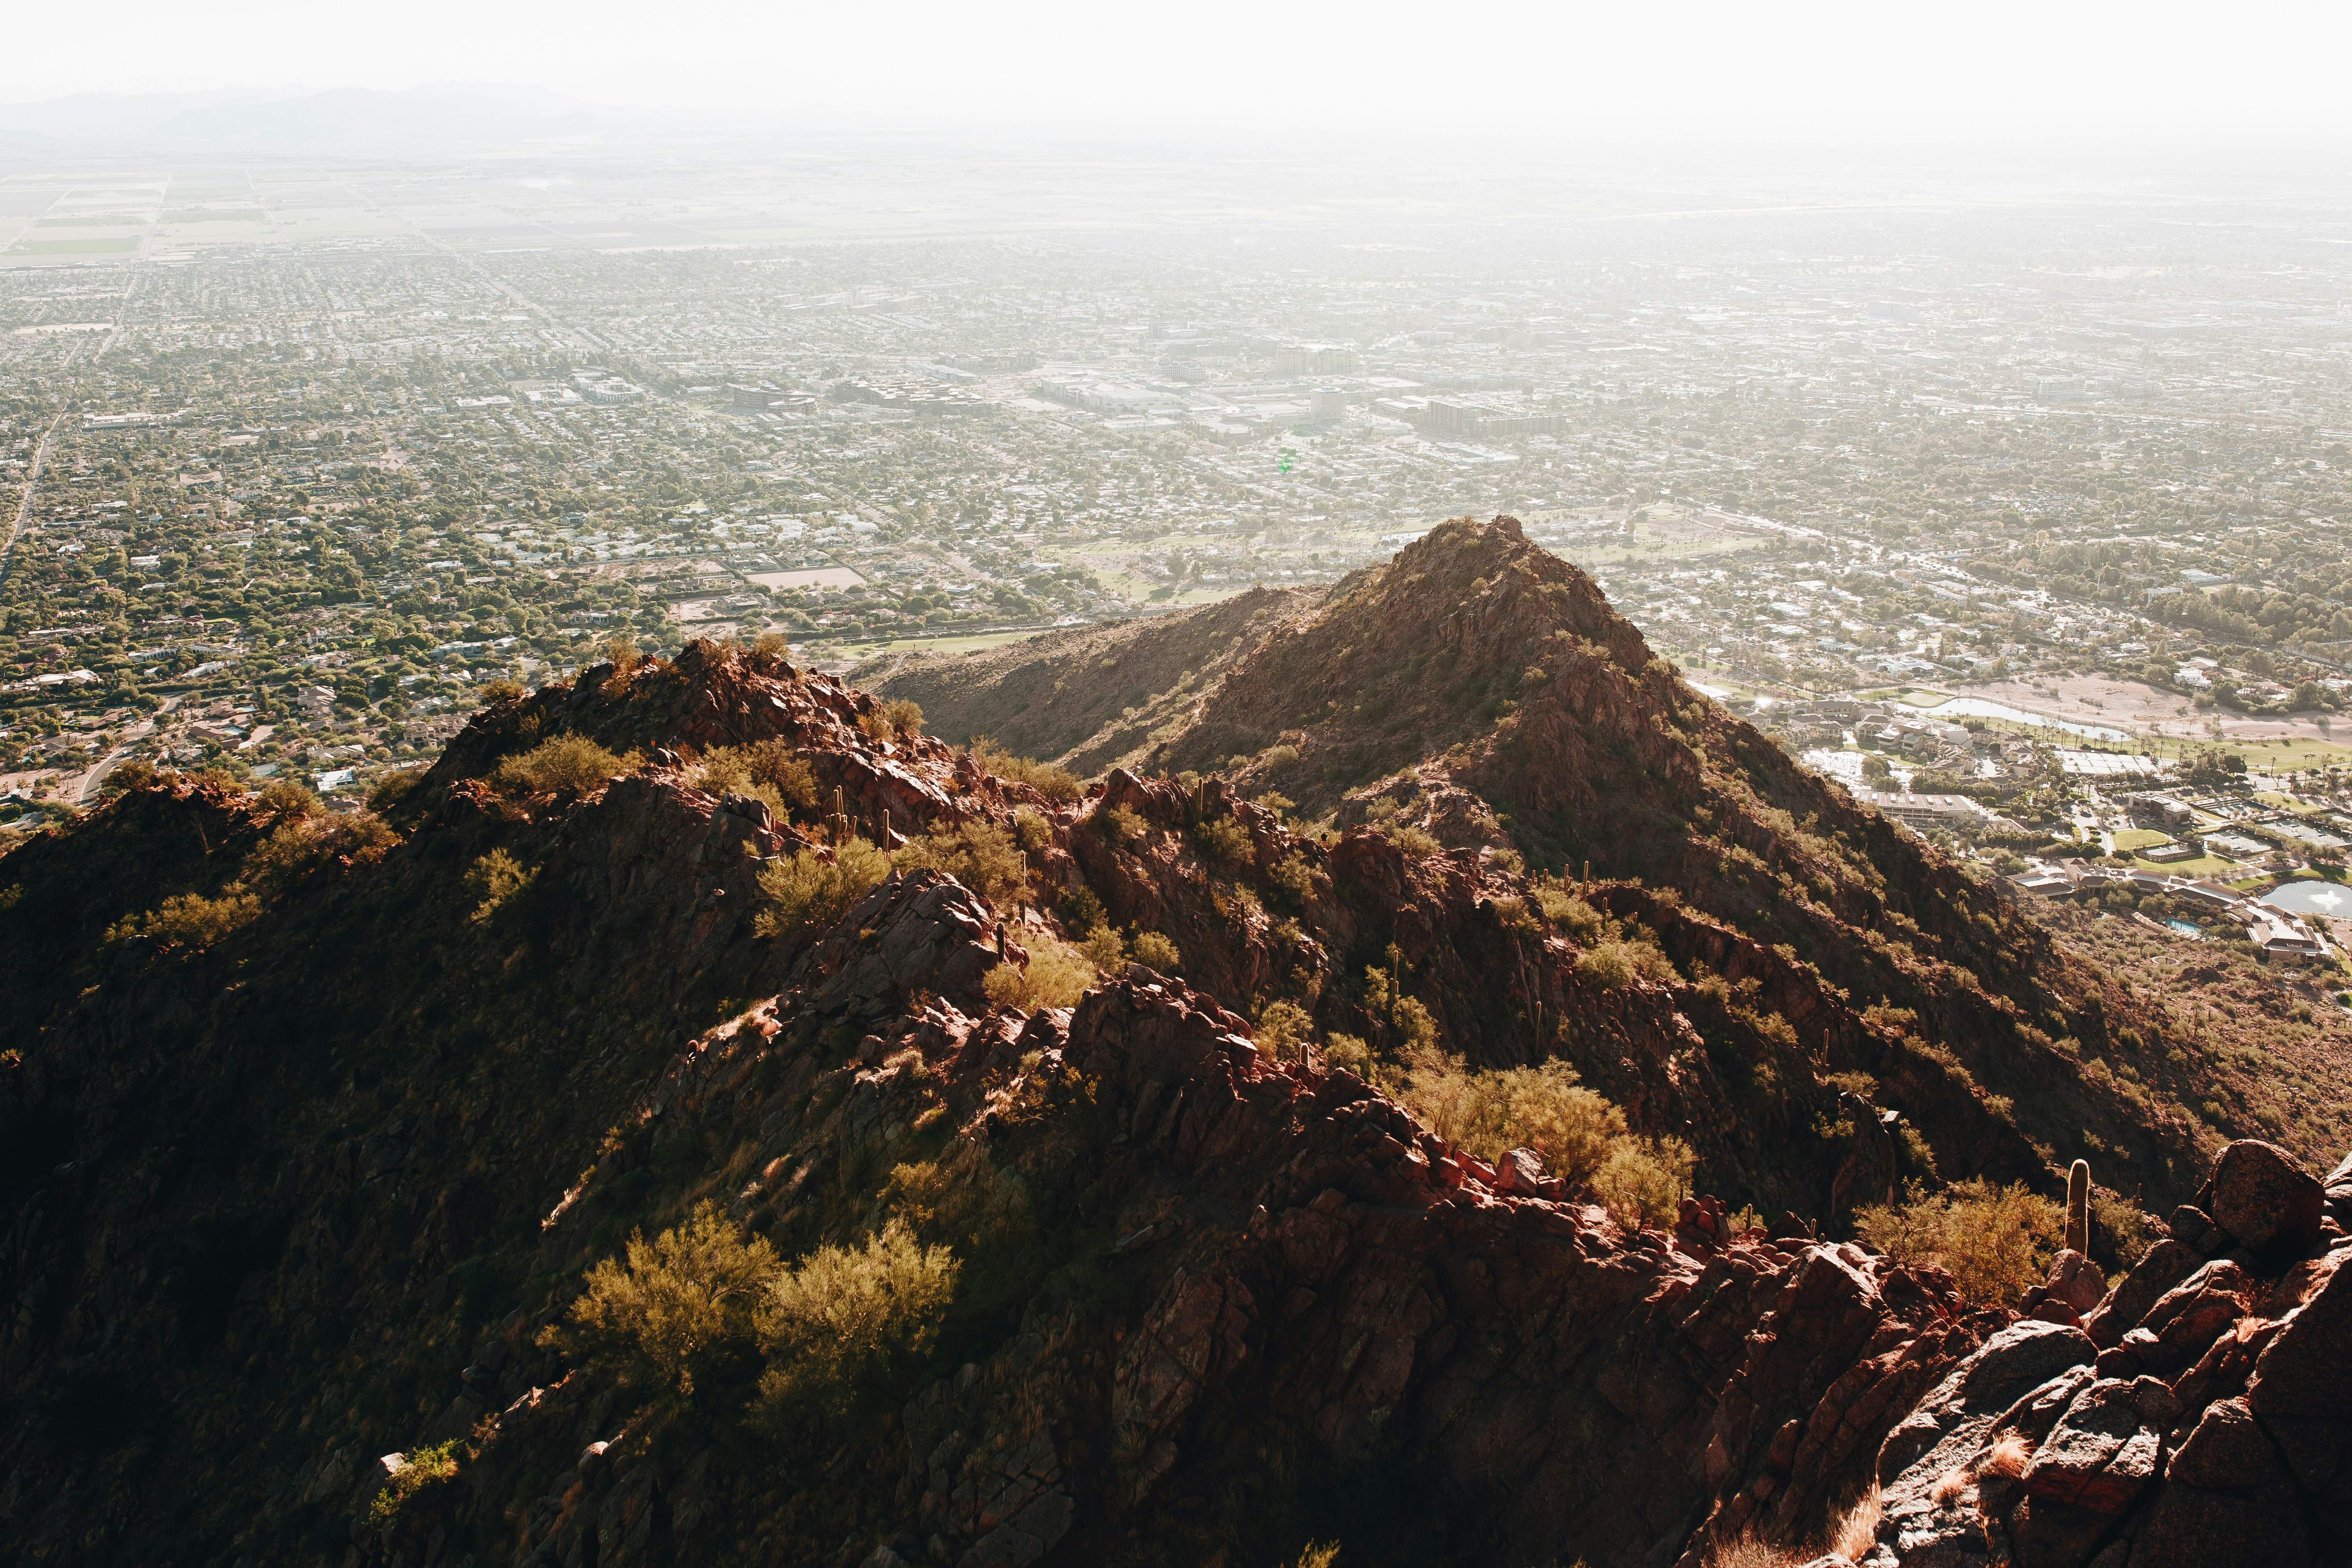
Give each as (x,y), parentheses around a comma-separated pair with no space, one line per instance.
(2140,839)
(74,246)
(2203,866)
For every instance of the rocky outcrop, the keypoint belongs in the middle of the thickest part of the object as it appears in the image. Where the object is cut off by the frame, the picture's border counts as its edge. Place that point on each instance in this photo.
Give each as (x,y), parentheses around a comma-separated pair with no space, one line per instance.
(2204,1418)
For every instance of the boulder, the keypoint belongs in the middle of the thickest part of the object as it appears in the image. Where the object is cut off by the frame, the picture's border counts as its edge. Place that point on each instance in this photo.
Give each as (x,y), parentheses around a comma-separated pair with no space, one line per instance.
(2261,1195)
(2194,1228)
(2191,1316)
(2339,1188)
(2015,1362)
(2301,1392)
(2090,1469)
(2160,1267)
(1520,1171)
(2076,1281)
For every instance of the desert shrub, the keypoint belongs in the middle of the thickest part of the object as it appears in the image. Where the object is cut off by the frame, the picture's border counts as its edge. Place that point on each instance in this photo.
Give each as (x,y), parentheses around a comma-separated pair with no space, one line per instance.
(1104,949)
(897,718)
(962,1202)
(1350,1052)
(1543,1108)
(980,855)
(1514,915)
(190,920)
(844,1319)
(1571,914)
(1120,825)
(622,652)
(425,1468)
(772,646)
(1224,842)
(299,848)
(1410,1028)
(1056,976)
(394,787)
(1581,1136)
(1614,964)
(133,773)
(502,689)
(1081,911)
(1292,877)
(1996,1241)
(1031,831)
(1323,1554)
(566,763)
(1157,951)
(809,890)
(288,797)
(768,771)
(492,880)
(1410,839)
(1285,1031)
(1056,782)
(674,1309)
(1645,1180)
(2118,1229)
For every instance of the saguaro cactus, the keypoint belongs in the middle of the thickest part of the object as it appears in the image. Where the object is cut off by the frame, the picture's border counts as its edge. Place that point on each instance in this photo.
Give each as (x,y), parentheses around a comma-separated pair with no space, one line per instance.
(2078,1207)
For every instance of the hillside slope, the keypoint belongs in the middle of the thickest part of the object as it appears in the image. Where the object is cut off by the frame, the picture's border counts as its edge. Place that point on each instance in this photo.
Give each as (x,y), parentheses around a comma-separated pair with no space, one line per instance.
(329,1164)
(1482,690)
(1092,697)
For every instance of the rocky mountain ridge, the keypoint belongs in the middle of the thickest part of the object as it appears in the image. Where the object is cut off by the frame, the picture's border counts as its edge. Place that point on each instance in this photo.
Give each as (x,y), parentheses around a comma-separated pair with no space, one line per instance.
(293,1205)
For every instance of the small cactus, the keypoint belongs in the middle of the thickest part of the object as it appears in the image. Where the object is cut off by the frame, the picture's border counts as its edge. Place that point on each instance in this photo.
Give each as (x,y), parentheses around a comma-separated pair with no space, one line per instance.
(2078,1209)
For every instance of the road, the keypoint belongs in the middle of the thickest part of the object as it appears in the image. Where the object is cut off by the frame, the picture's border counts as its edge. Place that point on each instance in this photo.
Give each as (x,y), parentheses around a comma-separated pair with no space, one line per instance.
(25,507)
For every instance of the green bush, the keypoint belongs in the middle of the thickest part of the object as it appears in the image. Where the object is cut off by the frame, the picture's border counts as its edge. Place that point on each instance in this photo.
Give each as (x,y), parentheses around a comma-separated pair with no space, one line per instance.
(190,920)
(809,890)
(1054,781)
(299,848)
(768,771)
(1224,842)
(566,764)
(1349,1053)
(1614,964)
(980,855)
(677,1308)
(897,718)
(1996,1241)
(1571,914)
(492,880)
(1285,1032)
(133,773)
(290,798)
(1104,949)
(1121,826)
(844,1319)
(1056,976)
(1293,879)
(425,1468)
(1156,951)
(1581,1136)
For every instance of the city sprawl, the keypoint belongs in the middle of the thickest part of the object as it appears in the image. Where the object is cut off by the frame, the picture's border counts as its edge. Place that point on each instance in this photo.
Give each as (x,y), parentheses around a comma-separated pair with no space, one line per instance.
(2041,549)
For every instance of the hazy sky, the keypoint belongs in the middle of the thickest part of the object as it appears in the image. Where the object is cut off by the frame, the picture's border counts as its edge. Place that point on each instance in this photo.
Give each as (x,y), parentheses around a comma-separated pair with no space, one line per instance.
(1630,71)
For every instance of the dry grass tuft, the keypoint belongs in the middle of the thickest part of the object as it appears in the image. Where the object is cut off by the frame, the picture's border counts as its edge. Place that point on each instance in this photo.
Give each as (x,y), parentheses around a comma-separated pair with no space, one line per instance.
(1749,1552)
(1857,1532)
(2007,1457)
